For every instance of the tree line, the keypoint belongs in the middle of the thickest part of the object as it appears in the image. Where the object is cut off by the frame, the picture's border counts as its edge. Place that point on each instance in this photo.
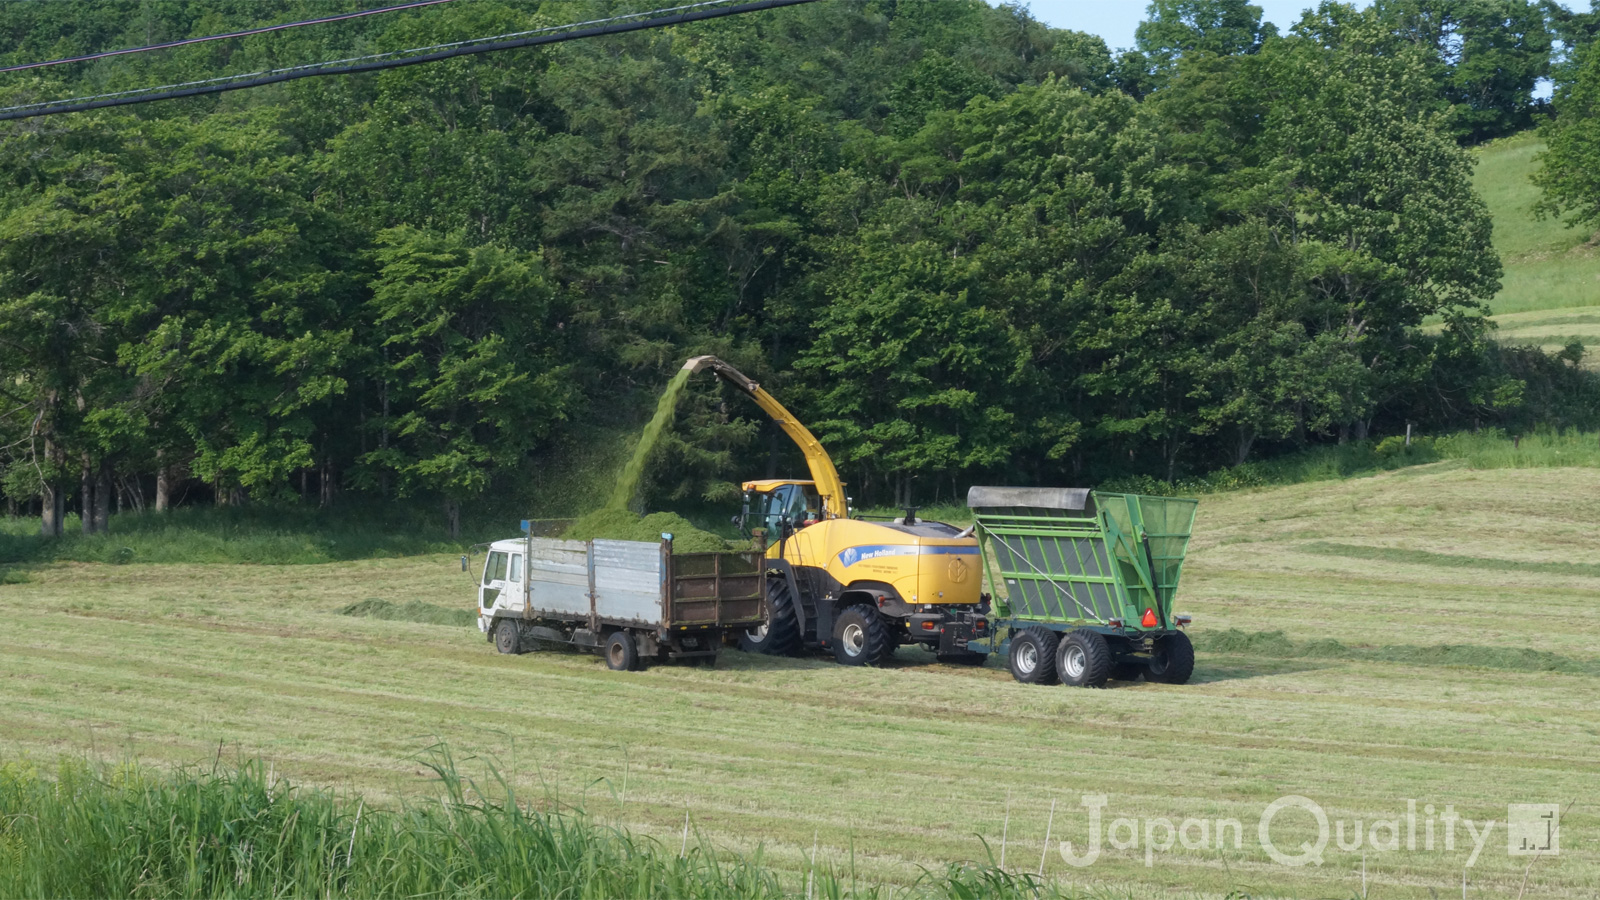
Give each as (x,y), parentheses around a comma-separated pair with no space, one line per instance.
(960,244)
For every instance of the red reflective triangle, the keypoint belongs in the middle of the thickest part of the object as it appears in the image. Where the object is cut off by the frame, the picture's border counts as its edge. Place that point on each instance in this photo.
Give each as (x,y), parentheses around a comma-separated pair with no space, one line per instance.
(1149,620)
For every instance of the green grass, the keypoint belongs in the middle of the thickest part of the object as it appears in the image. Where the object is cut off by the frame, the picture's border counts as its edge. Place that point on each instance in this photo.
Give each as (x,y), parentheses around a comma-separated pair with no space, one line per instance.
(97,830)
(262,534)
(1386,670)
(1548,266)
(414,611)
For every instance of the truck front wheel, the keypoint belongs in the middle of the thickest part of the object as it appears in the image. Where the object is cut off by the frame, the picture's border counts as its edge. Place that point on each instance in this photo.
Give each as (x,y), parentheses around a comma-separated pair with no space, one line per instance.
(860,638)
(507,637)
(780,634)
(1172,660)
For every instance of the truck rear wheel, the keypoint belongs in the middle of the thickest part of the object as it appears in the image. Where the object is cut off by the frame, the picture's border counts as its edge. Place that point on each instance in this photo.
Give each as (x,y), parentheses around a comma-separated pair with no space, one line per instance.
(1033,656)
(1084,659)
(507,636)
(860,638)
(1172,660)
(780,635)
(621,653)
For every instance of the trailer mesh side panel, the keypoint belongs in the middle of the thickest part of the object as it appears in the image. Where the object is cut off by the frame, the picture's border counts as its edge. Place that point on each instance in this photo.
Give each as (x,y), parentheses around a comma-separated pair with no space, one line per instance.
(1088,558)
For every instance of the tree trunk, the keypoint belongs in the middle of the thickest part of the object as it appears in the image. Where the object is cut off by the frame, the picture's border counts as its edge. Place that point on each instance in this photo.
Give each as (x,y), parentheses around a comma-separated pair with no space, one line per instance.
(86,484)
(1247,439)
(325,484)
(102,499)
(1361,426)
(51,510)
(452,517)
(163,484)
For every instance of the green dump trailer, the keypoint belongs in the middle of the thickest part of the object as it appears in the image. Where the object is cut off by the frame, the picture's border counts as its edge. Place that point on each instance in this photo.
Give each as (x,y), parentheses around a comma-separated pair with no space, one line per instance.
(1083,582)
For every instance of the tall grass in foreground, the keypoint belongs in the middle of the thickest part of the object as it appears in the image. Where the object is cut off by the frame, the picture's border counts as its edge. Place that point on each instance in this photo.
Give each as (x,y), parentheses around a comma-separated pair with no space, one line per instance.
(131,832)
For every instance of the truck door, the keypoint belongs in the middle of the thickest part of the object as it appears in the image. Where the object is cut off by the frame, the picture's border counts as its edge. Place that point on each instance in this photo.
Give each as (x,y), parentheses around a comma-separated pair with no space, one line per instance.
(514,597)
(494,580)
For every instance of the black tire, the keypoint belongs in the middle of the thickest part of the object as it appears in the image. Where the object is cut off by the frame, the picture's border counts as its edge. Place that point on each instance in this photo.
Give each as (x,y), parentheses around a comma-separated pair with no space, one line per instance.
(963,658)
(1172,660)
(507,636)
(780,636)
(1084,659)
(1127,671)
(1033,656)
(860,638)
(620,652)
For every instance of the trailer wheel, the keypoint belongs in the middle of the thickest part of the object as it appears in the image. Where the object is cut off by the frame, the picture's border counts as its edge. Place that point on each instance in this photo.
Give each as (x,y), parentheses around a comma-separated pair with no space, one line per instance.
(621,653)
(860,638)
(1172,660)
(780,635)
(507,637)
(1084,659)
(1128,671)
(1033,656)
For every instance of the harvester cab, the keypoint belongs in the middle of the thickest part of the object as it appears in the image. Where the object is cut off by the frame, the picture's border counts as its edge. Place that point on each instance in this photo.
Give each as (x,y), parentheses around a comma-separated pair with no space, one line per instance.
(857,588)
(779,508)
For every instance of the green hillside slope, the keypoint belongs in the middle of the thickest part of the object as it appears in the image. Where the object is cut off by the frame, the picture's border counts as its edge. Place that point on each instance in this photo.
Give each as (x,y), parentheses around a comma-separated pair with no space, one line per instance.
(1548,265)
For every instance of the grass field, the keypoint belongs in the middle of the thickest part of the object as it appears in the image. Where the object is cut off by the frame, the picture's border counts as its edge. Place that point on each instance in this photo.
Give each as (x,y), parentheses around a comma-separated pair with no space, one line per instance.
(1548,266)
(898,770)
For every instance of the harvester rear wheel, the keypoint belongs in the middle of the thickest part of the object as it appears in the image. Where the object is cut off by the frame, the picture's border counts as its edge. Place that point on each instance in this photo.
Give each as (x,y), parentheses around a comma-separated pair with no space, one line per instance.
(1033,656)
(1172,660)
(1084,659)
(780,636)
(860,638)
(621,653)
(507,637)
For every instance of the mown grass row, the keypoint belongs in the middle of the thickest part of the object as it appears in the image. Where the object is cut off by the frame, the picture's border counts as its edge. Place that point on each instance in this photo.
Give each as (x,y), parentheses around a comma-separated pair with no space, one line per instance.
(1277,645)
(86,831)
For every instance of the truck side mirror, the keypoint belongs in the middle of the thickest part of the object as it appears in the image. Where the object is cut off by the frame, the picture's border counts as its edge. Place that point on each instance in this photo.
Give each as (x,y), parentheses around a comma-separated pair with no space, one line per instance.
(463,563)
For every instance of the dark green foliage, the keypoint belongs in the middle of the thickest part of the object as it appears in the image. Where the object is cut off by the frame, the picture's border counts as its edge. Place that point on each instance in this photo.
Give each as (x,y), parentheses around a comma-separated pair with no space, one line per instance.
(937,230)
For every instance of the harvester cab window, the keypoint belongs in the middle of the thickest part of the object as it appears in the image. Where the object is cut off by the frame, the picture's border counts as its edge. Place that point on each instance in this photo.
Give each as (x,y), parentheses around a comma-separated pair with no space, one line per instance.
(787,501)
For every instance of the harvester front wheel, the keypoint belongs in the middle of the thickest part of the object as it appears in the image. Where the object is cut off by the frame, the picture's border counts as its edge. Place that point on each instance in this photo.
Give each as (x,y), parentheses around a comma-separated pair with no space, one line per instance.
(1084,659)
(1172,660)
(507,637)
(1033,656)
(860,637)
(780,634)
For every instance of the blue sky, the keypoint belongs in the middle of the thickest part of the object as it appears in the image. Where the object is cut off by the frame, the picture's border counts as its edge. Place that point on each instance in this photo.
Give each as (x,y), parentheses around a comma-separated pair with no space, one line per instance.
(1115,20)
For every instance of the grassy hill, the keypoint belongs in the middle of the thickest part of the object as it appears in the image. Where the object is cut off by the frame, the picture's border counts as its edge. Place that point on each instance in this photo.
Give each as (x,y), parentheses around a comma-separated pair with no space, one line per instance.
(1427,633)
(1551,288)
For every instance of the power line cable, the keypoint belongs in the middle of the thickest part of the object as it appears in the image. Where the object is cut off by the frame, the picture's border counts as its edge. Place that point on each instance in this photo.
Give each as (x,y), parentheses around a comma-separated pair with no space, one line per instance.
(218,37)
(694,12)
